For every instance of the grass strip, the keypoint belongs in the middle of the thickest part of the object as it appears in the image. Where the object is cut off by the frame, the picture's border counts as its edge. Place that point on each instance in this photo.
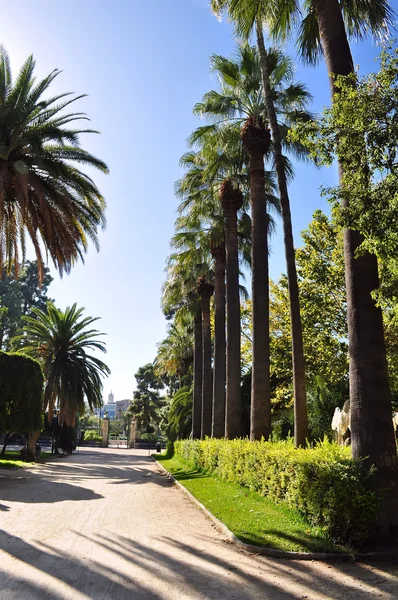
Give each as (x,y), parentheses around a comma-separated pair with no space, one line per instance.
(254,519)
(11,460)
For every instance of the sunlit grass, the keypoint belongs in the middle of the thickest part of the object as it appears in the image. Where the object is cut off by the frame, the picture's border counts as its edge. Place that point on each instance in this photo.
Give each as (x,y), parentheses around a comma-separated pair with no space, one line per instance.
(11,460)
(254,519)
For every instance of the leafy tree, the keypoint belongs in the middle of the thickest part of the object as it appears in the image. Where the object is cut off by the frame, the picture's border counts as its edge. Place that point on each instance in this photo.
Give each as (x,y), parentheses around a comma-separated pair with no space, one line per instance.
(117,426)
(147,401)
(360,129)
(60,340)
(320,268)
(325,28)
(18,296)
(89,421)
(44,195)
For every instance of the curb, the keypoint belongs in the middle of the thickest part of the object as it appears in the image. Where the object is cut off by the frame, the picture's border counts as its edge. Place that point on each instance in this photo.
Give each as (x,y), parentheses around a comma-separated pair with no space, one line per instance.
(271,552)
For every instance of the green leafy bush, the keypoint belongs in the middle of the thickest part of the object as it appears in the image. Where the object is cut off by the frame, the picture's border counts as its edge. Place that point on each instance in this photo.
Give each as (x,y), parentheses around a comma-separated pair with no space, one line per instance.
(21,393)
(151,438)
(92,435)
(322,482)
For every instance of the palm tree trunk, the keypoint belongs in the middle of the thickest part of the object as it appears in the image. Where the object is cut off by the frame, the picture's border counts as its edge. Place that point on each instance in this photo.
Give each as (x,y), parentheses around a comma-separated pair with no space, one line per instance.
(218,422)
(197,378)
(206,291)
(372,433)
(300,402)
(233,408)
(260,410)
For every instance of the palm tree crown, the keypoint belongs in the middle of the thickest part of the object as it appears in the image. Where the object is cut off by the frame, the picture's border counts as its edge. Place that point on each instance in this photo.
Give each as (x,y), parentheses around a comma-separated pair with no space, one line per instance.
(61,341)
(43,193)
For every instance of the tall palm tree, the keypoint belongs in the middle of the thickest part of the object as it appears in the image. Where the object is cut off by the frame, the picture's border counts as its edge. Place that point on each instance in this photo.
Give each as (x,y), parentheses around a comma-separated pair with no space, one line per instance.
(43,193)
(219,368)
(249,15)
(241,101)
(201,218)
(201,223)
(180,297)
(205,291)
(61,341)
(174,355)
(221,149)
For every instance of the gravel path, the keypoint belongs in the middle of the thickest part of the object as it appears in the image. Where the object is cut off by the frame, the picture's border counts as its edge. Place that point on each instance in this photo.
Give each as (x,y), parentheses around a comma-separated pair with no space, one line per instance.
(106,524)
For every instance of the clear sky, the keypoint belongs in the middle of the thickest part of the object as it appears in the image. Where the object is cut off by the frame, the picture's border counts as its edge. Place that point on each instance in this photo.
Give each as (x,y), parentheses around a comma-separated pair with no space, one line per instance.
(143,65)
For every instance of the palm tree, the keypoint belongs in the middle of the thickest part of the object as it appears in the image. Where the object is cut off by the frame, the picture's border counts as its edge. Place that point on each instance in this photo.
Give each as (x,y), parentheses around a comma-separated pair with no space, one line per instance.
(179,417)
(201,224)
(218,163)
(241,101)
(61,341)
(219,368)
(175,353)
(205,291)
(249,15)
(43,193)
(180,298)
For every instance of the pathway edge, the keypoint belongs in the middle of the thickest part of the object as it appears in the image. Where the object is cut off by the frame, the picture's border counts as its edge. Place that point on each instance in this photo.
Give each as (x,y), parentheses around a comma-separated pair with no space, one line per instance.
(271,552)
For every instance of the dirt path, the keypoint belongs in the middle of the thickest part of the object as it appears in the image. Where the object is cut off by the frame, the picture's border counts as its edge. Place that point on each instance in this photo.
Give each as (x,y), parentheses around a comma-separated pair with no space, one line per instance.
(106,524)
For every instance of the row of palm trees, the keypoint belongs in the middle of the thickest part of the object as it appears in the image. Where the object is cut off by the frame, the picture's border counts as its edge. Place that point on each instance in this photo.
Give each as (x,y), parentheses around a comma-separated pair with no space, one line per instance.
(221,169)
(226,179)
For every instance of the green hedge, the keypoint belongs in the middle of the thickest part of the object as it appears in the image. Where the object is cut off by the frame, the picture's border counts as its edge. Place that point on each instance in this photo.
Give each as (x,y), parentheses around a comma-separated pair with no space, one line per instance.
(21,393)
(323,482)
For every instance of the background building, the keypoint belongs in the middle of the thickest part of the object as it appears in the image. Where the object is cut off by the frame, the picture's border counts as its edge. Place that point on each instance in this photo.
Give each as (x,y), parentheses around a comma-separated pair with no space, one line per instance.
(121,407)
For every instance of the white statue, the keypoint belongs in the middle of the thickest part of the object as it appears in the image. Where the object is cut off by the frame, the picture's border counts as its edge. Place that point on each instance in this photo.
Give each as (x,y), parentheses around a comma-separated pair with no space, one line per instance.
(341,421)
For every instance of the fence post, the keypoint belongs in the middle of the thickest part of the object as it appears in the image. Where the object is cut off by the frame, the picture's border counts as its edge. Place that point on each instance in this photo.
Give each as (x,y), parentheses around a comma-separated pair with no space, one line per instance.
(131,442)
(105,432)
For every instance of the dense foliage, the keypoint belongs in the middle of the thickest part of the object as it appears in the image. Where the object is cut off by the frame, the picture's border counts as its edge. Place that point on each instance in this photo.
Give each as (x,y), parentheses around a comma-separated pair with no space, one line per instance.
(21,393)
(147,402)
(323,482)
(18,296)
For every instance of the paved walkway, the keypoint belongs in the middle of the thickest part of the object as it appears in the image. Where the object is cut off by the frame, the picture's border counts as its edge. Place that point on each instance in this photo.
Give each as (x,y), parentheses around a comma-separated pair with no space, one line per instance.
(106,524)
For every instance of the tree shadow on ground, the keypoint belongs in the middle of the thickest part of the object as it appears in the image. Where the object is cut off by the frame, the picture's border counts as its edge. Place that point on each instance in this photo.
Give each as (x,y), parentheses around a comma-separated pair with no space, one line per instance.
(124,568)
(24,489)
(109,565)
(63,481)
(93,579)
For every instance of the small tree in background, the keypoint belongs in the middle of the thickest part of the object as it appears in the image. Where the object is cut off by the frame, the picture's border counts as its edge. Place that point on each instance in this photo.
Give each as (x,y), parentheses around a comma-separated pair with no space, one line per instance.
(147,402)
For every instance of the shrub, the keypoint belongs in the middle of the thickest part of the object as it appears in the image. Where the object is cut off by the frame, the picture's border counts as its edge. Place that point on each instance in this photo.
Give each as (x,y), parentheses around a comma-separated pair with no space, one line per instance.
(21,393)
(147,437)
(170,449)
(322,482)
(92,435)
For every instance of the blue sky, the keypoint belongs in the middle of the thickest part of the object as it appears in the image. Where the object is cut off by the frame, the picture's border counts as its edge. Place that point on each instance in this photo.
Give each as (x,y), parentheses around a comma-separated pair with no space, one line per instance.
(143,65)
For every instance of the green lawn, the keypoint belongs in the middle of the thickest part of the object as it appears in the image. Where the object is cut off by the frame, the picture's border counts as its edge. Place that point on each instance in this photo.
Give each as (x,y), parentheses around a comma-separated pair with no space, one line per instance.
(11,460)
(251,517)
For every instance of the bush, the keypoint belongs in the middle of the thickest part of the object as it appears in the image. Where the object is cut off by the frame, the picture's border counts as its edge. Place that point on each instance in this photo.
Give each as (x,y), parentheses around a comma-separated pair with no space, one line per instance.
(21,393)
(322,482)
(147,437)
(92,435)
(170,449)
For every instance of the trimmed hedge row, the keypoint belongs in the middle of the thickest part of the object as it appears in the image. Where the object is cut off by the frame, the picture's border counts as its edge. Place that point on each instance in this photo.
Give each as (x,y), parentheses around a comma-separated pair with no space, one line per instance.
(322,482)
